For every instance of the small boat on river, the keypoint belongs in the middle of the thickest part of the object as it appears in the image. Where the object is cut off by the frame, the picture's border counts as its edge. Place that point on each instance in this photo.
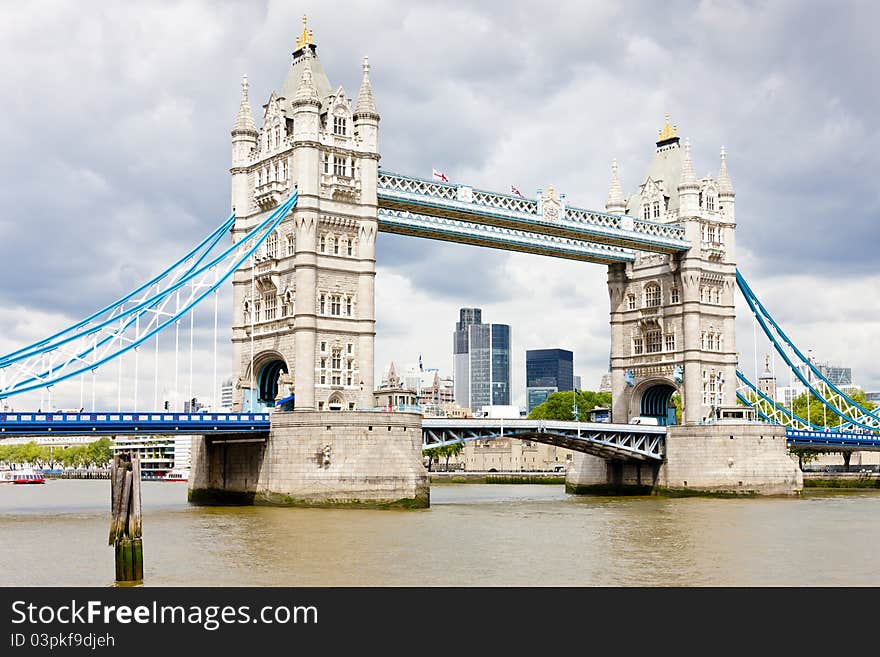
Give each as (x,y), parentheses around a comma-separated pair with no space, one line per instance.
(22,476)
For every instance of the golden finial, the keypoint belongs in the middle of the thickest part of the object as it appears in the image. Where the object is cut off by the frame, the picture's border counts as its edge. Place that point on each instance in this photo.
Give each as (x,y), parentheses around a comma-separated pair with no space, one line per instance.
(668,131)
(306,38)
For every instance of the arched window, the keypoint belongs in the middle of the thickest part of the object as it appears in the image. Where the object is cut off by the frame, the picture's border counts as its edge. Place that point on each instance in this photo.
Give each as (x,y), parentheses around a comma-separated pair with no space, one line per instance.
(350,247)
(652,295)
(336,359)
(670,342)
(674,296)
(291,244)
(348,306)
(656,209)
(323,304)
(326,159)
(336,246)
(710,201)
(339,125)
(646,211)
(631,302)
(272,245)
(323,246)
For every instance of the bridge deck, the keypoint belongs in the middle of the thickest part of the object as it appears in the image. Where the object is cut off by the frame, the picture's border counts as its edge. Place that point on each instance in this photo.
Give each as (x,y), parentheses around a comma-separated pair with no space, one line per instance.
(613,441)
(118,424)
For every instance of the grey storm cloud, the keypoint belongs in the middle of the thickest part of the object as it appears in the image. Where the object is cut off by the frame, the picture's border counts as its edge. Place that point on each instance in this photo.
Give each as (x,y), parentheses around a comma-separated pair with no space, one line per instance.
(116,117)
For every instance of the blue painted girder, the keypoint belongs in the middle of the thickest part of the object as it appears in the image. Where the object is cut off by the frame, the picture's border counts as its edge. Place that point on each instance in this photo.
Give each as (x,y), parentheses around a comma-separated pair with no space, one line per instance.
(119,424)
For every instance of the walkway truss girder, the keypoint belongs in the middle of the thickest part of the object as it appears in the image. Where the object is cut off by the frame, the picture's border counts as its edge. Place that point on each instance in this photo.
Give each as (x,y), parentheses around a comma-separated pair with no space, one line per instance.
(458,213)
(610,441)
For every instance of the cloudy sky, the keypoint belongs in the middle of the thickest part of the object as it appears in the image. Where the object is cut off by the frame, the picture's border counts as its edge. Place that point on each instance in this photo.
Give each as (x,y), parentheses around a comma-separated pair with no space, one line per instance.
(115,152)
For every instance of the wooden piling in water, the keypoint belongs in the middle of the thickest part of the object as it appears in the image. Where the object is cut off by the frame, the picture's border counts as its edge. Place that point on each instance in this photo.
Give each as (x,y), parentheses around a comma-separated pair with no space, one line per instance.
(125,520)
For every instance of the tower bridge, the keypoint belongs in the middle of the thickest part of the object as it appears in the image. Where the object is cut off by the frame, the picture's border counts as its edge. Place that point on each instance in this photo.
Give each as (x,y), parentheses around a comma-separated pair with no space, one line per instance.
(308,200)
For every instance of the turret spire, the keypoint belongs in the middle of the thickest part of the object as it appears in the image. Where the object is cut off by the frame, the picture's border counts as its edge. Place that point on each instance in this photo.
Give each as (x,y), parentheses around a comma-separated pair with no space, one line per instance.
(244,121)
(306,92)
(688,177)
(615,203)
(366,104)
(725,185)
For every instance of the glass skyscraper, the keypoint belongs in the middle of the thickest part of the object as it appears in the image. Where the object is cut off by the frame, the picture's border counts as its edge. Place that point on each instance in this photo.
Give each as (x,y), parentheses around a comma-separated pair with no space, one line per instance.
(481,361)
(548,371)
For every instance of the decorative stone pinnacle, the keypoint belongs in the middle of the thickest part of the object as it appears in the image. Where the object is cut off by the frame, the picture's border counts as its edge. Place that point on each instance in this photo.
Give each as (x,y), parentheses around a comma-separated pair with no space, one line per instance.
(688,177)
(615,194)
(725,185)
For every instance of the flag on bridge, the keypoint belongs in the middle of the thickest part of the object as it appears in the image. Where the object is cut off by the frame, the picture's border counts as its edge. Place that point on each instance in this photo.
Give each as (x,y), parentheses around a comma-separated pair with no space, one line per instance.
(514,190)
(439,175)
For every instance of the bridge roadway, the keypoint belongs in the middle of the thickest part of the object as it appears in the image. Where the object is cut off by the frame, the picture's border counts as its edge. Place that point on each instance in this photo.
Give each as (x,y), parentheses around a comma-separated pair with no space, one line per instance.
(613,441)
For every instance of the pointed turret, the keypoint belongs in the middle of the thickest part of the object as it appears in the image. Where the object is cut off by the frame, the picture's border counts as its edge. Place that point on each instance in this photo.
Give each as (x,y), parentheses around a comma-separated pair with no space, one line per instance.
(726,195)
(306,93)
(244,140)
(366,118)
(615,204)
(688,187)
(725,185)
(244,120)
(366,104)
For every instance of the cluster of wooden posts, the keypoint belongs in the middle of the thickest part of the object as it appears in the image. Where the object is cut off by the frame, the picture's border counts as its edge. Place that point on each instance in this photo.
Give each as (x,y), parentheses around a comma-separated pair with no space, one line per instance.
(125,521)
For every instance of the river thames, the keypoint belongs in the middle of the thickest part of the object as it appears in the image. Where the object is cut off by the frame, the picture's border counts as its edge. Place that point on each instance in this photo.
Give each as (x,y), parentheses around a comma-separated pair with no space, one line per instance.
(473,535)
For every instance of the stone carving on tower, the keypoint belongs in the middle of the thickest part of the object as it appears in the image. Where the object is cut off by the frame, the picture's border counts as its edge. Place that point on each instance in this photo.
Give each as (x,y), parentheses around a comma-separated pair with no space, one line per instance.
(303,308)
(672,316)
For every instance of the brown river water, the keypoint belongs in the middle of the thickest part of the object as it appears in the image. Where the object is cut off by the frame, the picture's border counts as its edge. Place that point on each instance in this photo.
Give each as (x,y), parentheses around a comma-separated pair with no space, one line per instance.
(473,535)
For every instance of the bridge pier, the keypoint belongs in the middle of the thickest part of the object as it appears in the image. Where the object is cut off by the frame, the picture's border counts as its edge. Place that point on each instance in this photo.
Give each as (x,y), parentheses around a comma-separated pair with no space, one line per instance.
(702,459)
(363,460)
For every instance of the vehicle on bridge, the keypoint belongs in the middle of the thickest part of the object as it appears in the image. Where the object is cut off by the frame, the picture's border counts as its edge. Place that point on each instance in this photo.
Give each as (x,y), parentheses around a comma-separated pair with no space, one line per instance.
(645,419)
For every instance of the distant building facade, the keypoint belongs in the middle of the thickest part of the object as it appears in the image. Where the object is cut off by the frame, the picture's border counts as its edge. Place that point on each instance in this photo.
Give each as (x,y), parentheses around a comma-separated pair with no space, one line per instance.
(547,371)
(481,361)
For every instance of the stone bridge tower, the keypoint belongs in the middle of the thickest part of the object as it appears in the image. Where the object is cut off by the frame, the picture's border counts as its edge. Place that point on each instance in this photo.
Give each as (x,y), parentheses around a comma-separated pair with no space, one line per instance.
(672,316)
(303,313)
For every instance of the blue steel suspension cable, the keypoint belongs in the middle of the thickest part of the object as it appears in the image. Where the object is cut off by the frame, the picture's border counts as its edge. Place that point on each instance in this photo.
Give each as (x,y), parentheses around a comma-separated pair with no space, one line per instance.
(213,238)
(131,314)
(782,409)
(266,227)
(755,305)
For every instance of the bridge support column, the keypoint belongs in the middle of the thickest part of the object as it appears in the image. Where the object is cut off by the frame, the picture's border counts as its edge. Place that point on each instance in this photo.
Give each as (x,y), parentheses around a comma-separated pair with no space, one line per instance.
(729,459)
(360,460)
(709,459)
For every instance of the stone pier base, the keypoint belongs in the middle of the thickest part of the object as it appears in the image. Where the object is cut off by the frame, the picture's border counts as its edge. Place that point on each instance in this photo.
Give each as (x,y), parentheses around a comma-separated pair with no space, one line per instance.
(347,459)
(717,459)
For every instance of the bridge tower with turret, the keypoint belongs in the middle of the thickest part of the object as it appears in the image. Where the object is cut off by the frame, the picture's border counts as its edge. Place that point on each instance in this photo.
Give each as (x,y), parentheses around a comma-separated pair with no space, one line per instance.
(672,316)
(304,308)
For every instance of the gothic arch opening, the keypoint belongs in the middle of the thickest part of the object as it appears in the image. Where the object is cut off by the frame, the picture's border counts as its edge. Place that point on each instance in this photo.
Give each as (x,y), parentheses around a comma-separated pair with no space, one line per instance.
(335,402)
(268,381)
(657,402)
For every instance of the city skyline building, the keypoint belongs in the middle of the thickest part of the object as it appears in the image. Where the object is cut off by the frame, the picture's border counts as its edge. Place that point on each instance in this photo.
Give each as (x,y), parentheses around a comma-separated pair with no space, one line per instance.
(547,371)
(481,361)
